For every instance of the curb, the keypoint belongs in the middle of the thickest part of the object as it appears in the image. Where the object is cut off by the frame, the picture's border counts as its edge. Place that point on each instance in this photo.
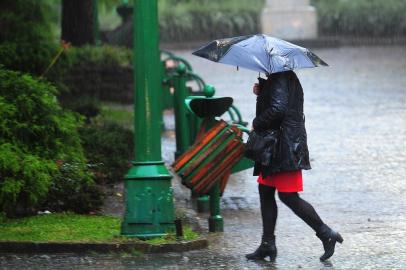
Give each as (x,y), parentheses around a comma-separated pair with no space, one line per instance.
(61,247)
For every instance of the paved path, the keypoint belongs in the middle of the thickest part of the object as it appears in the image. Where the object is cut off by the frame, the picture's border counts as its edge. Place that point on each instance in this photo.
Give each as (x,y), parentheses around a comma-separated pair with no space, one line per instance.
(356,122)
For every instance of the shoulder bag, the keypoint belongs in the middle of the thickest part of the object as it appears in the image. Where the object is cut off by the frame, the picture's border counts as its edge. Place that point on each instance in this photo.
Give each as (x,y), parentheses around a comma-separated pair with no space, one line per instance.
(262,146)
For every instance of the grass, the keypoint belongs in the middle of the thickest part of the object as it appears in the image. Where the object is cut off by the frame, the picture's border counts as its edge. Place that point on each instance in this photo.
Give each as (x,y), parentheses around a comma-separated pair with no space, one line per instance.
(67,227)
(188,235)
(117,113)
(60,227)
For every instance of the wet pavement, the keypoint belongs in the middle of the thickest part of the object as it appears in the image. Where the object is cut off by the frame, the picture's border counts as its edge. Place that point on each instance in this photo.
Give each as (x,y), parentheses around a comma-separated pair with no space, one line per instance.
(356,122)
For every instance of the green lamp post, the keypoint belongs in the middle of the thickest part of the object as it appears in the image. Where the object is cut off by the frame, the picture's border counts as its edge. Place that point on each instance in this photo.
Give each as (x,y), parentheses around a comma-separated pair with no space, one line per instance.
(148,192)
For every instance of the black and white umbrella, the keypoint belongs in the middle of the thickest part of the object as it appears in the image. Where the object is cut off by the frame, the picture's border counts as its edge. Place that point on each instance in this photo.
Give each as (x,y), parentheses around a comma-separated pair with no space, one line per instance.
(260,53)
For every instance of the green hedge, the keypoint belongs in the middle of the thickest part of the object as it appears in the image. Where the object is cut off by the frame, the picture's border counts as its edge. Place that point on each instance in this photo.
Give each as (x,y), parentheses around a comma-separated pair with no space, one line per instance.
(91,72)
(183,20)
(26,38)
(24,179)
(110,148)
(37,139)
(103,56)
(376,18)
(82,58)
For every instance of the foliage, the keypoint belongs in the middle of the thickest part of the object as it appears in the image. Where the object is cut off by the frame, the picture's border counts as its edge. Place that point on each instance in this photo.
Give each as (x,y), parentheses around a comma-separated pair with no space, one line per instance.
(68,227)
(34,121)
(26,40)
(86,106)
(182,20)
(108,17)
(81,74)
(61,227)
(362,17)
(73,189)
(82,58)
(110,148)
(103,56)
(25,179)
(188,234)
(35,135)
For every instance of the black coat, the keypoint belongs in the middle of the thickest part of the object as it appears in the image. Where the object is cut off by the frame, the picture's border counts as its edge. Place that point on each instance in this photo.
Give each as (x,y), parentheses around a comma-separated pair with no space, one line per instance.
(280,105)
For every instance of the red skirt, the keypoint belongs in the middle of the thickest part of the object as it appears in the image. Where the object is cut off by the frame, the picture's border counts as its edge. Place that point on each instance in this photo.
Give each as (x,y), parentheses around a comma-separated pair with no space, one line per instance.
(284,181)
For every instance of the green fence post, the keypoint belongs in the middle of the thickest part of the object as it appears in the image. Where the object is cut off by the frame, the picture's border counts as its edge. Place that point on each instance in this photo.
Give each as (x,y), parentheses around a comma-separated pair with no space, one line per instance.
(182,127)
(216,223)
(148,192)
(166,92)
(202,202)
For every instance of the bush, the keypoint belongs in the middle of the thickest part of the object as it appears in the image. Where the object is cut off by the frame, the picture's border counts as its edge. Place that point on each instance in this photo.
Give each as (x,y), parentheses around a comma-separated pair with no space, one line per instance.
(110,148)
(24,181)
(86,106)
(35,134)
(92,73)
(34,121)
(87,57)
(102,56)
(374,18)
(26,39)
(204,20)
(65,194)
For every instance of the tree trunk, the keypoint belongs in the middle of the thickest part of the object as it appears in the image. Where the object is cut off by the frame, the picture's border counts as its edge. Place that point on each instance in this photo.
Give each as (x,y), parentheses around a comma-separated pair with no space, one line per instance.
(78,22)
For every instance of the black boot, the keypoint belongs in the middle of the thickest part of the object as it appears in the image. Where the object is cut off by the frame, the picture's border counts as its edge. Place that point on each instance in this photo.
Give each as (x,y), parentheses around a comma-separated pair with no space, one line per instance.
(329,238)
(267,248)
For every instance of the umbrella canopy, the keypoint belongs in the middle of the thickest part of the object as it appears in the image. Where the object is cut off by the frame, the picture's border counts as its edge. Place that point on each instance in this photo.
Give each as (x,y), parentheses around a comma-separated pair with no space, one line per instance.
(260,53)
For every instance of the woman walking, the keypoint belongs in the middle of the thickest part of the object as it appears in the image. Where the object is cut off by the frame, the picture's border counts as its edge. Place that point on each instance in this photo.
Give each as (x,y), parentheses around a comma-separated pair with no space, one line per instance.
(280,106)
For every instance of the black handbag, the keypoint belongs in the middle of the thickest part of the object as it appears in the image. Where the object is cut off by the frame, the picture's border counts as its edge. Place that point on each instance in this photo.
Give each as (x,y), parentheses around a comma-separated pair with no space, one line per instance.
(262,146)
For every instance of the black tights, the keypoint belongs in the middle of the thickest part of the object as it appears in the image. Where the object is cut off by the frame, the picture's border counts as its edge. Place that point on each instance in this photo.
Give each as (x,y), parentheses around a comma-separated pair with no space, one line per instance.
(300,207)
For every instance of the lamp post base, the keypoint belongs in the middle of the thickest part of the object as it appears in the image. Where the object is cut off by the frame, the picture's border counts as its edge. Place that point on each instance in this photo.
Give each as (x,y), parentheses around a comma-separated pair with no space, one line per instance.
(149,201)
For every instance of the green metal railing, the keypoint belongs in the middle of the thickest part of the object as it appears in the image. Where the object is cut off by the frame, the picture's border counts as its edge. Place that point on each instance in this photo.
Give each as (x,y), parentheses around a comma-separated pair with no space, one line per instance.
(177,79)
(188,124)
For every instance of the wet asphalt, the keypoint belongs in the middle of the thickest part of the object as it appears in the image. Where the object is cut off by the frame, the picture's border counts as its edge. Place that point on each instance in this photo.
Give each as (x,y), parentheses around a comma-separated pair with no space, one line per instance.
(356,124)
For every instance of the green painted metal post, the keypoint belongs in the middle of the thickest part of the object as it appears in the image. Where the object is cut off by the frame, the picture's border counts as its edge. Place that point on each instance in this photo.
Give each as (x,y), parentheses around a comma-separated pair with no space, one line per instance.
(182,127)
(166,93)
(216,223)
(148,192)
(202,203)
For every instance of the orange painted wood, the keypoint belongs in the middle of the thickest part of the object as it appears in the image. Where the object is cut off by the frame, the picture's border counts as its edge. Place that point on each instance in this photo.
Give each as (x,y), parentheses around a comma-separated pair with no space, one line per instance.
(215,162)
(215,174)
(224,181)
(221,170)
(211,158)
(196,147)
(200,159)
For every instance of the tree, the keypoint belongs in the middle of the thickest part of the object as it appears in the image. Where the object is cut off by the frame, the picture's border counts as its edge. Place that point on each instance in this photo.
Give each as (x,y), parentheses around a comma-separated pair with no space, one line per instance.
(26,37)
(79,22)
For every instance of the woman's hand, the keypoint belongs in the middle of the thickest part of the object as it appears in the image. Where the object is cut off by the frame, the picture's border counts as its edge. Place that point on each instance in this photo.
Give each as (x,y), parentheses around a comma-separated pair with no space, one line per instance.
(255,89)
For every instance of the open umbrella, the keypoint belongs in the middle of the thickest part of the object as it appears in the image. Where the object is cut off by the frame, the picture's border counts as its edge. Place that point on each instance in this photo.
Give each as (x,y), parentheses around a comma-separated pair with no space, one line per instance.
(260,53)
